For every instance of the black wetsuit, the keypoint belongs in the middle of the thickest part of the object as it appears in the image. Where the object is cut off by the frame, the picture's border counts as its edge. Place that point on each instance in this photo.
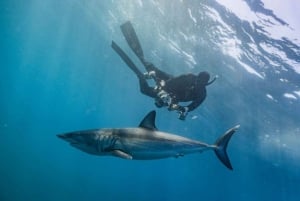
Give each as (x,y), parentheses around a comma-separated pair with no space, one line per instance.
(183,88)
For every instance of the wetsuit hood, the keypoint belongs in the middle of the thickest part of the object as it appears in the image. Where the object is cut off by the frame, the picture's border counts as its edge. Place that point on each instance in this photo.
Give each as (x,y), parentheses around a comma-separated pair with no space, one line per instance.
(203,78)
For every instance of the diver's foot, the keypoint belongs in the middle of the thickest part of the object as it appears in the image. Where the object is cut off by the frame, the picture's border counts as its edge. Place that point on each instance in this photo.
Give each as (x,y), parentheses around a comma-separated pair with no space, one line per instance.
(149,75)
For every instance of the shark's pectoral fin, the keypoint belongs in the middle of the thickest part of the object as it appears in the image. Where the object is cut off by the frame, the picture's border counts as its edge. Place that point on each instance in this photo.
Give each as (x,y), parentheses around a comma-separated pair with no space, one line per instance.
(121,154)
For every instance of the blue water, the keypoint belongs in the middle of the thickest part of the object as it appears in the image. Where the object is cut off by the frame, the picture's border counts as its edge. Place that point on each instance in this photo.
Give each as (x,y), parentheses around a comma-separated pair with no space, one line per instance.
(59,74)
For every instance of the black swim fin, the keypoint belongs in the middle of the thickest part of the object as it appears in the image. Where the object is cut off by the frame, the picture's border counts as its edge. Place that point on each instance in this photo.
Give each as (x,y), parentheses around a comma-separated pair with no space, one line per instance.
(126,59)
(132,39)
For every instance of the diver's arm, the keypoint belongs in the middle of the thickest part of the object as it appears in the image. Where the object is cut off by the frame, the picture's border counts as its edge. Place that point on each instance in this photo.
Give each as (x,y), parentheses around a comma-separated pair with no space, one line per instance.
(146,89)
(193,105)
(198,100)
(183,110)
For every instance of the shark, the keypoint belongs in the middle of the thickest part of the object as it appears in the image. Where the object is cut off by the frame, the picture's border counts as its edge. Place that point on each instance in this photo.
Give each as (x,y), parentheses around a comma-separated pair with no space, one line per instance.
(144,142)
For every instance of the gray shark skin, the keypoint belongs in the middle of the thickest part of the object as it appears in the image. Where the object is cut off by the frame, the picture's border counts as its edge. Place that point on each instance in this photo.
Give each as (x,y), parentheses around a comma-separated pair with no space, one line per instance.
(144,142)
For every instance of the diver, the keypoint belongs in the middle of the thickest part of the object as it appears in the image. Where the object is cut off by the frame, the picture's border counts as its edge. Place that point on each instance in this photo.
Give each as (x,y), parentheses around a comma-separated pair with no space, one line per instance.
(169,90)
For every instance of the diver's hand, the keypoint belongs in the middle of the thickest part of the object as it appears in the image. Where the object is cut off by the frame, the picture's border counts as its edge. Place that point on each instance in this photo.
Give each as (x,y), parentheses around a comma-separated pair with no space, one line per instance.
(173,106)
(183,111)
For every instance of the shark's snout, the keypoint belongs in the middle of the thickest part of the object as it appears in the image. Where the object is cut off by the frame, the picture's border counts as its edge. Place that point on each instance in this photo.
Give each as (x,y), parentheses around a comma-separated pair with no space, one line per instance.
(62,136)
(75,137)
(83,140)
(69,137)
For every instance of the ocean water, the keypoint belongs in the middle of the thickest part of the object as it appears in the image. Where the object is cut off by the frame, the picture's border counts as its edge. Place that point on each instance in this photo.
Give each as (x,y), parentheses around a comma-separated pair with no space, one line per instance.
(59,74)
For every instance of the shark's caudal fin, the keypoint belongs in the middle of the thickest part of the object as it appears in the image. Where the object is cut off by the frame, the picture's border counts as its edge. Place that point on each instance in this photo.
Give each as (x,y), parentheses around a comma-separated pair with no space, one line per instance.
(221,146)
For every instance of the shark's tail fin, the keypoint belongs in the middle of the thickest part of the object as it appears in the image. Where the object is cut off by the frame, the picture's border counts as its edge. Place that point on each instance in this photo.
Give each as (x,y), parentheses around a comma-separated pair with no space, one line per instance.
(221,146)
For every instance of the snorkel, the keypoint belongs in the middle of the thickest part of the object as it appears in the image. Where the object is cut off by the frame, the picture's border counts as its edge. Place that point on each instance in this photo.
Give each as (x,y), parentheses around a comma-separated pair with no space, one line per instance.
(204,77)
(213,80)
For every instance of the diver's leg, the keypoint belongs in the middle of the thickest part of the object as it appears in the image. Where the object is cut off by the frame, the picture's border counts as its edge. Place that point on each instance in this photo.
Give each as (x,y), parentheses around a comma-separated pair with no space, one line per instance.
(146,89)
(159,74)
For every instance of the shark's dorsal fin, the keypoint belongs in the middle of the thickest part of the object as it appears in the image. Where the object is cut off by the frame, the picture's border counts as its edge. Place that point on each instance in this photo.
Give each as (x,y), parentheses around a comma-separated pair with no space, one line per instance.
(149,121)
